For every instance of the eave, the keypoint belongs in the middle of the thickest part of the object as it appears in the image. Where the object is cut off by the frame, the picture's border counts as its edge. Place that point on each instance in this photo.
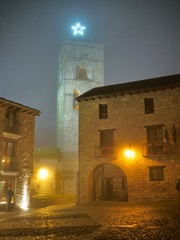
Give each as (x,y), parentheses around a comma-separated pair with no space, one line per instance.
(20,107)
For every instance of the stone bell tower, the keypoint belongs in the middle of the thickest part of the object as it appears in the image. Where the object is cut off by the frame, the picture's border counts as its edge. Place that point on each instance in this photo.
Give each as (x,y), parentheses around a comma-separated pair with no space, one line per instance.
(81,68)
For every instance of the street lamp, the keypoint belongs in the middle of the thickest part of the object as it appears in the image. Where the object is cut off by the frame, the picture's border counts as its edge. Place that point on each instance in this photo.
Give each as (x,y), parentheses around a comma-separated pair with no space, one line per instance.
(43,173)
(129,153)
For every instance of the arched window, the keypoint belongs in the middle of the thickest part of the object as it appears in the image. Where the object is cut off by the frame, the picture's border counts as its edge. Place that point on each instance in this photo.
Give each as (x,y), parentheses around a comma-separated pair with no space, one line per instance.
(76,94)
(82,74)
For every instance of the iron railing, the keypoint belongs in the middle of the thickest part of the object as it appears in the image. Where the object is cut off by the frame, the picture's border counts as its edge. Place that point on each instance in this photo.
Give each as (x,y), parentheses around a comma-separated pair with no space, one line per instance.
(159,149)
(101,152)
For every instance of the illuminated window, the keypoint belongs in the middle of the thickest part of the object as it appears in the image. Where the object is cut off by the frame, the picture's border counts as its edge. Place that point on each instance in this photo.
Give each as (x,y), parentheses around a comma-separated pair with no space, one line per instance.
(149,105)
(82,74)
(103,111)
(155,139)
(8,154)
(75,102)
(156,173)
(10,120)
(8,149)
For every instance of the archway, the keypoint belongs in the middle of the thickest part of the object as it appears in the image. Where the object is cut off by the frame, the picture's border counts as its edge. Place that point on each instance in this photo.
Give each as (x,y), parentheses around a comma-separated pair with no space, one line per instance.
(109,183)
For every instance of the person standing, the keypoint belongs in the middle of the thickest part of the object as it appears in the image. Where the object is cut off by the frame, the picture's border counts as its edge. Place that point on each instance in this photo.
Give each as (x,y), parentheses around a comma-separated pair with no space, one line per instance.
(9,196)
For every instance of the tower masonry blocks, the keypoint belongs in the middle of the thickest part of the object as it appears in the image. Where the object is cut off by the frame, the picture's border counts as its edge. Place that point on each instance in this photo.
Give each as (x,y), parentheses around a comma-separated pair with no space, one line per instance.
(81,68)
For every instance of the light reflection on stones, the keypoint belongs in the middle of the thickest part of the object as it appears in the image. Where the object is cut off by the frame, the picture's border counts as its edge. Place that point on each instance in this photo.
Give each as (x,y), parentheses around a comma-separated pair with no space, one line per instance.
(97,222)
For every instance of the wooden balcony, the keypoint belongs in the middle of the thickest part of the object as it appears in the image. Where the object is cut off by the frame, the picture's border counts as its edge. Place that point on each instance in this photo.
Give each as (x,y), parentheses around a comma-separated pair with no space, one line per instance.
(13,130)
(105,152)
(12,133)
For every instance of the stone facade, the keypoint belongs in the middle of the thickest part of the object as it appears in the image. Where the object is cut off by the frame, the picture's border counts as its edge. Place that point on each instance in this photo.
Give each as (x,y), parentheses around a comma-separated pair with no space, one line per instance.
(81,68)
(16,149)
(151,133)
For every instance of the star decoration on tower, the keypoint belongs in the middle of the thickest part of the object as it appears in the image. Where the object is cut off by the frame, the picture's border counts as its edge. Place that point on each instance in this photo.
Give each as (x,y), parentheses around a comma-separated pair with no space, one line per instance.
(78,29)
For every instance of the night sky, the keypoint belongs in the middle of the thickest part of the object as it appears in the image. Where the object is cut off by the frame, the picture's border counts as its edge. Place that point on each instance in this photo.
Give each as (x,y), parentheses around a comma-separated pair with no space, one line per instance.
(141,40)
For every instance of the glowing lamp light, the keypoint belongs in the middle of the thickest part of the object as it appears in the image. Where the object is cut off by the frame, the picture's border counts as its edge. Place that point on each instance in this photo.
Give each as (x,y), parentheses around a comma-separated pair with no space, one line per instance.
(24,203)
(78,29)
(43,173)
(129,153)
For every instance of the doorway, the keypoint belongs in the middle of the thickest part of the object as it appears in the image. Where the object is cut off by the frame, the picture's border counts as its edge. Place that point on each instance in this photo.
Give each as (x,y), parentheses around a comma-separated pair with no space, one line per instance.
(4,184)
(109,183)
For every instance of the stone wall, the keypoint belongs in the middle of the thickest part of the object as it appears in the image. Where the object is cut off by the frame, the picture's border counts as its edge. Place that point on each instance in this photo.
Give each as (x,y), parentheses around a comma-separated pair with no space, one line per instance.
(127,117)
(24,155)
(23,140)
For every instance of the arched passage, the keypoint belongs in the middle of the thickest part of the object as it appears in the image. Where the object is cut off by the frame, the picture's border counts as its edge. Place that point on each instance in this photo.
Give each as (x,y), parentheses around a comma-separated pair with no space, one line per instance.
(109,183)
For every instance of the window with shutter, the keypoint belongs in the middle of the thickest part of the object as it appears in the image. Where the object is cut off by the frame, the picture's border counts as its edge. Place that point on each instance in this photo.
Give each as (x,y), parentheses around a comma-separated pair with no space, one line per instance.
(107,142)
(156,173)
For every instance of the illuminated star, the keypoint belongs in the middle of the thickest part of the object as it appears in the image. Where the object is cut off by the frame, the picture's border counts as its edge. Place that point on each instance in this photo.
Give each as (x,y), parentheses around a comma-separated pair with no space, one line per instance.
(78,29)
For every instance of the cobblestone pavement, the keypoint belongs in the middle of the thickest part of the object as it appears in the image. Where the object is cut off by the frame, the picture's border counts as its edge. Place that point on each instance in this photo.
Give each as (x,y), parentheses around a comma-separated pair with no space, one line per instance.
(96,221)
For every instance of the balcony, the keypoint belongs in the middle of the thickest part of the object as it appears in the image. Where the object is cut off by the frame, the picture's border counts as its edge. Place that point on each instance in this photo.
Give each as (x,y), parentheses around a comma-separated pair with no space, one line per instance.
(157,149)
(12,133)
(7,164)
(105,152)
(13,129)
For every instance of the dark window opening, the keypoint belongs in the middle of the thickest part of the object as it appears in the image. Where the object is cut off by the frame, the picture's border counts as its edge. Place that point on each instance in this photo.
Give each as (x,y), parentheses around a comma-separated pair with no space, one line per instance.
(10,120)
(103,111)
(82,74)
(156,173)
(149,105)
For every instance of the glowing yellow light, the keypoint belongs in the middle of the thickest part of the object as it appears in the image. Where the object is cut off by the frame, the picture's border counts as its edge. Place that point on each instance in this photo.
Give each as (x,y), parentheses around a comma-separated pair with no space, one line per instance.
(24,203)
(3,160)
(129,153)
(43,173)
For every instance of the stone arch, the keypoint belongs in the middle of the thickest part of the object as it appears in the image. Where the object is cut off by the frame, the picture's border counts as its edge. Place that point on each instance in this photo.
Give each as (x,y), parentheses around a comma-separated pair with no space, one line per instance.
(109,182)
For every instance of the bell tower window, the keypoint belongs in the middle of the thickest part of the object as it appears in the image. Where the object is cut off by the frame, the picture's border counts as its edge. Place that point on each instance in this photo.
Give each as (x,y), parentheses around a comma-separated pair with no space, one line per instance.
(82,74)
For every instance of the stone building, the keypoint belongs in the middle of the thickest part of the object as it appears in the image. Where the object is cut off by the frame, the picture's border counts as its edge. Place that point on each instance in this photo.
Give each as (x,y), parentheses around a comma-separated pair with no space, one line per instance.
(81,68)
(47,167)
(129,141)
(16,150)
